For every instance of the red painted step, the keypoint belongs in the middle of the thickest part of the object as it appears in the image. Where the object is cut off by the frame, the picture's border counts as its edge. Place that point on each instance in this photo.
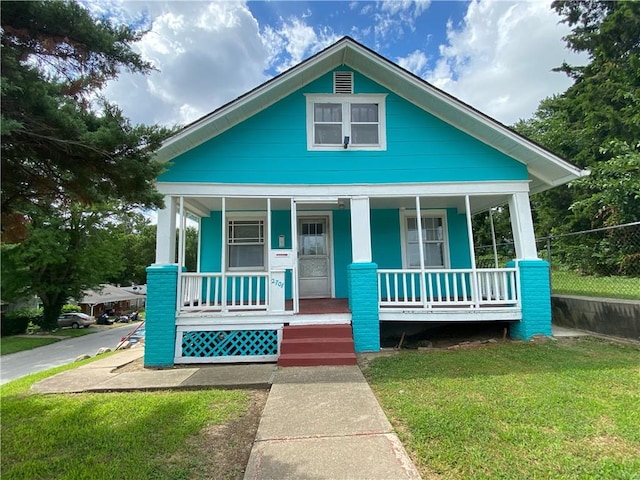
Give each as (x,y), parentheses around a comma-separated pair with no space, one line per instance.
(310,345)
(308,331)
(317,345)
(316,359)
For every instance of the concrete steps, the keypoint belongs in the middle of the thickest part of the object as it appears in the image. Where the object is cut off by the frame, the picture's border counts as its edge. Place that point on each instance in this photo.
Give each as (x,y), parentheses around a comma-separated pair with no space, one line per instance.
(312,345)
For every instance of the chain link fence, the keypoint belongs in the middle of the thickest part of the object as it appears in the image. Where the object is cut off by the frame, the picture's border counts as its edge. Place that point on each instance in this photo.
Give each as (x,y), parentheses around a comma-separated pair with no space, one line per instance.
(603,262)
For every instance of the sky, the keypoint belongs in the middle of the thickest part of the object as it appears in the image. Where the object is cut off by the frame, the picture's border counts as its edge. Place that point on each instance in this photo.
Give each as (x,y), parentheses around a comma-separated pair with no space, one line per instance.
(497,56)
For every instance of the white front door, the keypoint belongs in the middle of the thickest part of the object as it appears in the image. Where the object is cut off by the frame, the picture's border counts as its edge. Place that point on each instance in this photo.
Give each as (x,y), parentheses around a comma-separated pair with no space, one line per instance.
(314,263)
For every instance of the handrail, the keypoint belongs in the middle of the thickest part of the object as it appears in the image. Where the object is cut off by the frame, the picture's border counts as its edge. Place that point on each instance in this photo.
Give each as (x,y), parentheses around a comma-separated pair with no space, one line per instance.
(464,287)
(224,291)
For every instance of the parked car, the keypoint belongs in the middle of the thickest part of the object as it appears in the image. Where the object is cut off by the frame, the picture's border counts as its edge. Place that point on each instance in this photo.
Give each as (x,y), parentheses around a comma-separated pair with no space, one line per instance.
(75,320)
(104,319)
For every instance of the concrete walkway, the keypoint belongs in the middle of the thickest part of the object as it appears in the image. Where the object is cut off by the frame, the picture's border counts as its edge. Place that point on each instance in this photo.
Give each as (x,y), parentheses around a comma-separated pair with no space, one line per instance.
(318,422)
(325,423)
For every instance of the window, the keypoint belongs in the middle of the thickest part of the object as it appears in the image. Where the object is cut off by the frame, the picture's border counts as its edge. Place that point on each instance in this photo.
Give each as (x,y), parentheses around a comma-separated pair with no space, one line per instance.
(245,244)
(434,241)
(333,118)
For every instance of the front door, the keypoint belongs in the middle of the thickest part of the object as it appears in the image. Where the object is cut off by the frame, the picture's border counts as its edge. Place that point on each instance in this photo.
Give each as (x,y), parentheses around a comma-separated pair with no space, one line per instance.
(314,263)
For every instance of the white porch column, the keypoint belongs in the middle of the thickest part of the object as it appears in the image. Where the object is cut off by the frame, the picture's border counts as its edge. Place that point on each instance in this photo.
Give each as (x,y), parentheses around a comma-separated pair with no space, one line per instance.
(360,230)
(166,233)
(522,226)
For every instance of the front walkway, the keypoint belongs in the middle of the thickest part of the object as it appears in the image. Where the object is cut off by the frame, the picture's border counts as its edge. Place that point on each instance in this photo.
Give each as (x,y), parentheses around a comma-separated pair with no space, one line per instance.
(325,423)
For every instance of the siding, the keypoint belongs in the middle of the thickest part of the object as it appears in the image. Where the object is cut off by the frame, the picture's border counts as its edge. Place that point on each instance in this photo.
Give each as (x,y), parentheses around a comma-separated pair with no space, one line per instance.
(271,148)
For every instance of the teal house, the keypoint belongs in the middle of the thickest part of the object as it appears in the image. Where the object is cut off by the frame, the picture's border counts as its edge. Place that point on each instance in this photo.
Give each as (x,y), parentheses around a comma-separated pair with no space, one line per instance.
(333,198)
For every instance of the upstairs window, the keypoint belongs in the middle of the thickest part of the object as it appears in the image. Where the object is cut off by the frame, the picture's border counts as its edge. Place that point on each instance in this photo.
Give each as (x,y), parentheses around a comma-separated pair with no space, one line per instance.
(357,121)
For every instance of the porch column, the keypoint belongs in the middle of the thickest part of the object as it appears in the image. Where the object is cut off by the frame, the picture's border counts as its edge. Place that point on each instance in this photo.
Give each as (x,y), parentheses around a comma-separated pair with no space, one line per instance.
(363,281)
(535,288)
(166,233)
(522,226)
(160,322)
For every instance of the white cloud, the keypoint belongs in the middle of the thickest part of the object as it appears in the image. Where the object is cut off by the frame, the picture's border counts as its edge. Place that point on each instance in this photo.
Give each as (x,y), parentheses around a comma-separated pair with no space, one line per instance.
(206,55)
(393,17)
(294,40)
(416,62)
(500,58)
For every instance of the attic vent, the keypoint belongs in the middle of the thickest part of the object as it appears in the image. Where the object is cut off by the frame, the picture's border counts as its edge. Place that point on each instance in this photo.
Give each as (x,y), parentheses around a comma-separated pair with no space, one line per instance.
(343,82)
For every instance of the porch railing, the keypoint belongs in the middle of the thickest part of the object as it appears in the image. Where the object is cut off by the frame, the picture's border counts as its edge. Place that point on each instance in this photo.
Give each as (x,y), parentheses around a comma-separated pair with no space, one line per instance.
(465,288)
(224,291)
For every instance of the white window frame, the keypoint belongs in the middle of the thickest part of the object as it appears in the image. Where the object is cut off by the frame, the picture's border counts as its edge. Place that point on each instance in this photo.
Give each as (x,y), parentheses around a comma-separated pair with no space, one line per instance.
(404,236)
(346,101)
(246,216)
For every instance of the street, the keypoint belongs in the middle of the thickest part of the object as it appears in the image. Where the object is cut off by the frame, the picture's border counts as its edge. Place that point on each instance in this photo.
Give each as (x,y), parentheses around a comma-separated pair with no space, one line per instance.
(16,365)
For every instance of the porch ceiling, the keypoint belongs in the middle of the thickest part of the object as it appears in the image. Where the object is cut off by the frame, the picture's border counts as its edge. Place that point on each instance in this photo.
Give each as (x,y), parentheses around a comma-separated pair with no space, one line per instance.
(478,203)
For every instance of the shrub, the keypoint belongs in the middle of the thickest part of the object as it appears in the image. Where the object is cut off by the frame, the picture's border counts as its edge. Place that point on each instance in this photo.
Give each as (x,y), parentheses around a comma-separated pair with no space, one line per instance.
(68,308)
(16,322)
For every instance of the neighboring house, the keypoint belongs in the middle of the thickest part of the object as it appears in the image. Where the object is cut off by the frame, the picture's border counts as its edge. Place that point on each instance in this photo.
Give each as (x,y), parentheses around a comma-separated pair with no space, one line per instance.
(346,179)
(113,298)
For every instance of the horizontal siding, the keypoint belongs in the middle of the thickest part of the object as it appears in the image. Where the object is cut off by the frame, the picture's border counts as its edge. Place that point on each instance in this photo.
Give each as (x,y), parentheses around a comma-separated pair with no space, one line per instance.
(271,147)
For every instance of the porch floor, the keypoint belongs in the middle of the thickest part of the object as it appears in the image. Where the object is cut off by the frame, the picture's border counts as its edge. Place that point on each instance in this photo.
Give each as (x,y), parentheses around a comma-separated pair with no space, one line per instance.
(317,306)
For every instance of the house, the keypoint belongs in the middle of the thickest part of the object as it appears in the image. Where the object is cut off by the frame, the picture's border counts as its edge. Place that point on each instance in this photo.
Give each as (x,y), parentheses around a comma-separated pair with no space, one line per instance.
(113,298)
(336,196)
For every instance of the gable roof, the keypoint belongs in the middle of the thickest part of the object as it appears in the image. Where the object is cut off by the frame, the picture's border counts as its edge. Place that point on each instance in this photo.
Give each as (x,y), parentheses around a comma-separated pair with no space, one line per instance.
(546,169)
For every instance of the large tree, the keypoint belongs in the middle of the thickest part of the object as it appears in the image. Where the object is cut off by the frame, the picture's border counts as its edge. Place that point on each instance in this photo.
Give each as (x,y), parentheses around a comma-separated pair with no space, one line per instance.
(61,142)
(66,251)
(597,117)
(596,124)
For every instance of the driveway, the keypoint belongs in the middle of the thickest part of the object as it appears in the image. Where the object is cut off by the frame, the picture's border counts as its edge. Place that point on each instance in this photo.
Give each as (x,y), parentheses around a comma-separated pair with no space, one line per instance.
(16,365)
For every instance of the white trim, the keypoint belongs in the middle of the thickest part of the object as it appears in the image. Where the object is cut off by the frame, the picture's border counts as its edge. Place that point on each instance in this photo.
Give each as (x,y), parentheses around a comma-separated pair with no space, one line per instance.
(316,192)
(360,230)
(247,216)
(321,319)
(166,233)
(346,101)
(451,315)
(319,214)
(430,213)
(522,226)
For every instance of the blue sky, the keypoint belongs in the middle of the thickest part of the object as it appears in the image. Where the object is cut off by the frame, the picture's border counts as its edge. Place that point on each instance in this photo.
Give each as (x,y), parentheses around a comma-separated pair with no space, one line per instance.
(496,55)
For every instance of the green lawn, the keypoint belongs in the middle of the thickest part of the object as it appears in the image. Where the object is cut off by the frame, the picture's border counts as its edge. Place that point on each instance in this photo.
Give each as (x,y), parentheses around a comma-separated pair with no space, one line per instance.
(570,283)
(563,410)
(18,344)
(107,436)
(15,344)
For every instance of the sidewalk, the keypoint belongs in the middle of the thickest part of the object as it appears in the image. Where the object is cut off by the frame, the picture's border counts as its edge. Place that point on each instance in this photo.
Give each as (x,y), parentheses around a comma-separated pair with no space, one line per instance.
(318,422)
(325,423)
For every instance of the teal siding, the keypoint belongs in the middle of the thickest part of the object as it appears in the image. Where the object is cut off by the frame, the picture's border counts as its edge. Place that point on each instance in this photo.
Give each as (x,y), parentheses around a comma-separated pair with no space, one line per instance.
(460,255)
(386,242)
(211,243)
(271,147)
(341,251)
(385,238)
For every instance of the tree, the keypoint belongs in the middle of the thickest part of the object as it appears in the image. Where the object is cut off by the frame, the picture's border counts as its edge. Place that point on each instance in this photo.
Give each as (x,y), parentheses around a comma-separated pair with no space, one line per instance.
(67,250)
(61,142)
(595,124)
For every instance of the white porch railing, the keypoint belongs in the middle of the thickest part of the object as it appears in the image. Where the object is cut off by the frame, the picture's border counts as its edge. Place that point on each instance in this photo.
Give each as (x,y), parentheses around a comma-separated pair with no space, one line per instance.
(464,288)
(224,291)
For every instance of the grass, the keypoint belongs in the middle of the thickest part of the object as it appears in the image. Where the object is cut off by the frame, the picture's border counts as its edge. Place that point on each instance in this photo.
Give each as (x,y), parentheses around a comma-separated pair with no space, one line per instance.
(561,410)
(14,344)
(105,436)
(74,332)
(18,344)
(571,283)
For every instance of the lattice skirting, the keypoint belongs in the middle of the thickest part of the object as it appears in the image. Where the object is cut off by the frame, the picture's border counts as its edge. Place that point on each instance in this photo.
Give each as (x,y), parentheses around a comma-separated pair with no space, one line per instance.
(228,345)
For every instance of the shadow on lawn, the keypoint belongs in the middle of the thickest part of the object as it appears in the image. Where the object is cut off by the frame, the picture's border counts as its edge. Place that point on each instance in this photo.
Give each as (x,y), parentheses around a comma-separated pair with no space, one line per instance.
(508,358)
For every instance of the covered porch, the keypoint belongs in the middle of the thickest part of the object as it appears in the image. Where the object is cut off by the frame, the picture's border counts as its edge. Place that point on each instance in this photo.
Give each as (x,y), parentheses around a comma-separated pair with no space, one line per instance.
(317,256)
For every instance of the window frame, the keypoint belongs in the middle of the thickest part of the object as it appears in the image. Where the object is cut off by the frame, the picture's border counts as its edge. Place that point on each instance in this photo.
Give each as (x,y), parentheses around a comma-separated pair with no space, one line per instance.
(346,101)
(245,217)
(404,237)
